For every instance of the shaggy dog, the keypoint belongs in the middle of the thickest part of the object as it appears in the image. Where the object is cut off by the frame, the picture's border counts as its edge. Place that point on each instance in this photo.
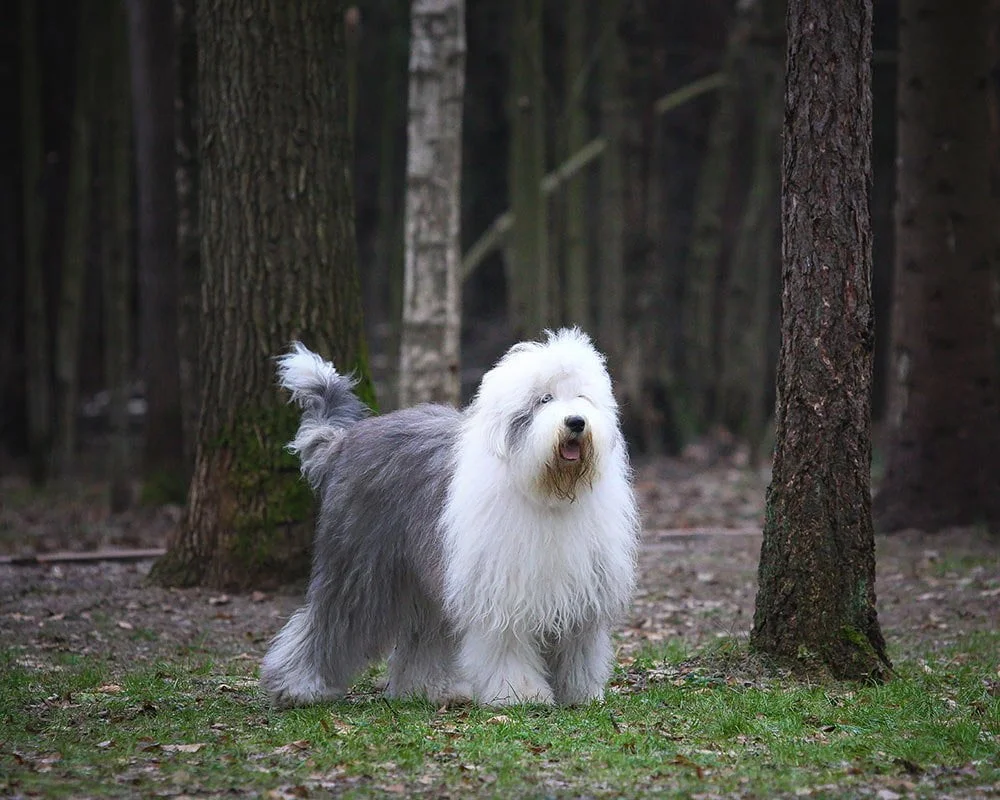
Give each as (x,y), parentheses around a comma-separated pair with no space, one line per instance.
(489,550)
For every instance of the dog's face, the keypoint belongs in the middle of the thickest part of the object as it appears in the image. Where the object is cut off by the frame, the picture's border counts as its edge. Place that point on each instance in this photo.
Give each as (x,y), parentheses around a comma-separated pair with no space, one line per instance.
(548,410)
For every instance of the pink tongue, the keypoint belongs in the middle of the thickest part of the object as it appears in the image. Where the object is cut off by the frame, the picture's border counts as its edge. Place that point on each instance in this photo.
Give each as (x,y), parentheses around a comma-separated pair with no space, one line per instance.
(570,451)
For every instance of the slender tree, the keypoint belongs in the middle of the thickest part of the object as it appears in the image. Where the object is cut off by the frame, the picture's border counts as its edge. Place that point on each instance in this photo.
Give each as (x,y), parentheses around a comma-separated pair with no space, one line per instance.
(278,263)
(816,597)
(38,360)
(115,165)
(943,448)
(76,241)
(528,275)
(151,45)
(577,294)
(429,353)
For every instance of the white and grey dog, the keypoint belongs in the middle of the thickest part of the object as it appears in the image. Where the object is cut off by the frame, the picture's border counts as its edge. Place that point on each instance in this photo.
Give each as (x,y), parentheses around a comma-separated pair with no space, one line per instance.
(490,550)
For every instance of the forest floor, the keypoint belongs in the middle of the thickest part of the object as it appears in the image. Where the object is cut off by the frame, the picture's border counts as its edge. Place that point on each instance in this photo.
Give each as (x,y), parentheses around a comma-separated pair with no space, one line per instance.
(80,630)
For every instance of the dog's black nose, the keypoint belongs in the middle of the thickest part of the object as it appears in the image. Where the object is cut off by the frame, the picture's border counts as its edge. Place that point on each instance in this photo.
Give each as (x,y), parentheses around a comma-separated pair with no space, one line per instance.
(575,423)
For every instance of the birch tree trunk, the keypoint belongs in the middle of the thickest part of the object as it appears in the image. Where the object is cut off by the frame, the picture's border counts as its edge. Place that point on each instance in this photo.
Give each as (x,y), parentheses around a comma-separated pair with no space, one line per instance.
(429,351)
(38,361)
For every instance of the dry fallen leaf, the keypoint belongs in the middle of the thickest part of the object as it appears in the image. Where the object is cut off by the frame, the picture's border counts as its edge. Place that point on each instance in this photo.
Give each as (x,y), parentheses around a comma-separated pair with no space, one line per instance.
(292,747)
(125,626)
(220,600)
(499,718)
(184,748)
(108,688)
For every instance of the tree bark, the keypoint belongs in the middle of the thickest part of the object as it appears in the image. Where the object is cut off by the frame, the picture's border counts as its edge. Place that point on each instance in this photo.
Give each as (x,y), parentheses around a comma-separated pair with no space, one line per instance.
(816,599)
(151,45)
(943,448)
(279,263)
(75,244)
(429,352)
(38,361)
(528,262)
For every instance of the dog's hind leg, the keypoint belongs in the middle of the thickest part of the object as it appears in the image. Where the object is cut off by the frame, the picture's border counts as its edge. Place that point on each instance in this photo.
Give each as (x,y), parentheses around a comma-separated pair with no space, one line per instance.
(580,665)
(423,664)
(305,664)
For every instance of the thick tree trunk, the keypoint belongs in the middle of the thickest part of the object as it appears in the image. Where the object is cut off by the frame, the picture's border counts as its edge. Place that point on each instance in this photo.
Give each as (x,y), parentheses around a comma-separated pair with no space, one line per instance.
(943,449)
(528,262)
(611,282)
(116,256)
(576,306)
(151,44)
(75,244)
(279,263)
(429,352)
(816,598)
(38,361)
(188,235)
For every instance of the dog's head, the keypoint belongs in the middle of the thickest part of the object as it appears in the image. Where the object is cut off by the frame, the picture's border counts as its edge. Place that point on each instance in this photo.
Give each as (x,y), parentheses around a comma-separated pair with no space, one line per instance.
(547,409)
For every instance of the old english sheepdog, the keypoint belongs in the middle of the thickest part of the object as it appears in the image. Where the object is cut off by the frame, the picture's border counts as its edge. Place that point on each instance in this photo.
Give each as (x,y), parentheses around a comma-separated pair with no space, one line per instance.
(489,551)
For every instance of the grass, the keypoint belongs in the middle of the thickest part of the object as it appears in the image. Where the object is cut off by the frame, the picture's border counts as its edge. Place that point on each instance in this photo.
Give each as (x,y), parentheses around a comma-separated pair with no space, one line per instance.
(675,724)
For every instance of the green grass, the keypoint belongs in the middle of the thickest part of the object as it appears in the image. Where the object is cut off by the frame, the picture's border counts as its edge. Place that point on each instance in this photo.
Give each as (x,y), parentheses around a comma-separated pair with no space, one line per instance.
(674,724)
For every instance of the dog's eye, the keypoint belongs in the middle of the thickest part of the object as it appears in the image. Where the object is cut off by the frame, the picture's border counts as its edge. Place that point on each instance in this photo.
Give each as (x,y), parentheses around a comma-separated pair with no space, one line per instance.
(545,398)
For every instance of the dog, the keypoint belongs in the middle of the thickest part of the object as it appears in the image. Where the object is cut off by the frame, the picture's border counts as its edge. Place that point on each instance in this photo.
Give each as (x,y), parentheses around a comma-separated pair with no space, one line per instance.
(488,551)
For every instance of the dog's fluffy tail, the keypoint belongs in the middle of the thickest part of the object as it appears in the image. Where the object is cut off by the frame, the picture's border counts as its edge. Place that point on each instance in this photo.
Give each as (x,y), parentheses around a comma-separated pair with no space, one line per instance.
(329,406)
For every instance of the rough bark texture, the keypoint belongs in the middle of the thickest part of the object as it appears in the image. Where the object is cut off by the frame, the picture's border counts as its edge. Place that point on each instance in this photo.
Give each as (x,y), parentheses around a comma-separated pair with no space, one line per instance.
(116,252)
(429,351)
(75,243)
(279,263)
(943,448)
(528,263)
(38,363)
(151,45)
(816,598)
(188,234)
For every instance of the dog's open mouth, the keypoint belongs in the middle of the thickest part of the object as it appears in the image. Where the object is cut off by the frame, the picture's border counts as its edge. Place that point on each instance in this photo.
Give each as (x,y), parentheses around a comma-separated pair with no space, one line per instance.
(570,450)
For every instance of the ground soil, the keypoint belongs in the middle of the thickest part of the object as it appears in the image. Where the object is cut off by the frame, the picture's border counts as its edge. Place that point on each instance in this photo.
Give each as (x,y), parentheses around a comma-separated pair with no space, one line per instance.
(702,517)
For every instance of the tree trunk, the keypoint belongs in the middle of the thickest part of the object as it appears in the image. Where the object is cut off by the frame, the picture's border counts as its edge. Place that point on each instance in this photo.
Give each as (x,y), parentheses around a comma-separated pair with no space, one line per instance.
(188,235)
(279,263)
(116,256)
(700,364)
(75,244)
(38,362)
(943,450)
(743,355)
(151,44)
(528,263)
(429,352)
(576,309)
(816,598)
(611,282)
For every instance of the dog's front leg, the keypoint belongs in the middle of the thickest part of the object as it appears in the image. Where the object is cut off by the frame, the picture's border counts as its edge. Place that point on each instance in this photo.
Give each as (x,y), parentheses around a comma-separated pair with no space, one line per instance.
(580,664)
(503,669)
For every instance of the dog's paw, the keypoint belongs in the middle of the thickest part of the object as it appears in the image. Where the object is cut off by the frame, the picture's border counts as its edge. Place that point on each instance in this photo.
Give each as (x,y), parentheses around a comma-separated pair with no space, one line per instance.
(516,690)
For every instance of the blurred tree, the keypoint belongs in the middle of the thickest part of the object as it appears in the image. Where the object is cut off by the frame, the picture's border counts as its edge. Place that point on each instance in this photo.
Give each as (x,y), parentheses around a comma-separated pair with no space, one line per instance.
(528,278)
(188,238)
(77,240)
(576,304)
(748,290)
(278,263)
(611,280)
(943,447)
(816,598)
(151,45)
(38,361)
(429,368)
(115,172)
